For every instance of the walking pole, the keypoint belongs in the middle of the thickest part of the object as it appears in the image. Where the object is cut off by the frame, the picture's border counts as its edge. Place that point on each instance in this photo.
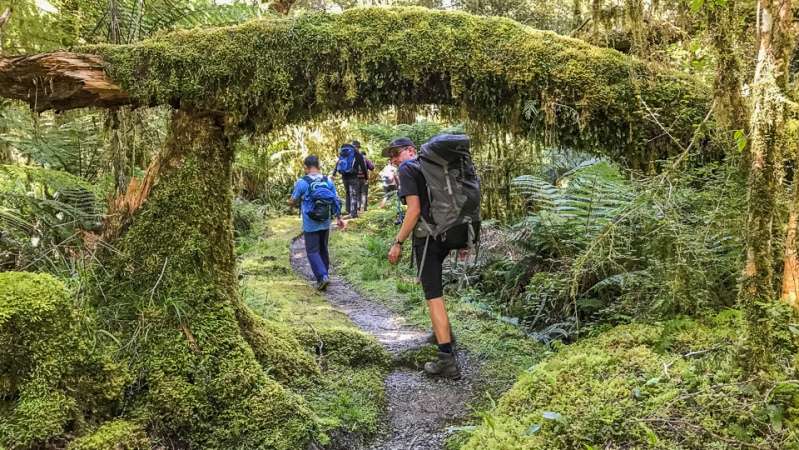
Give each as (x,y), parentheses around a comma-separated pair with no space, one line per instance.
(399,209)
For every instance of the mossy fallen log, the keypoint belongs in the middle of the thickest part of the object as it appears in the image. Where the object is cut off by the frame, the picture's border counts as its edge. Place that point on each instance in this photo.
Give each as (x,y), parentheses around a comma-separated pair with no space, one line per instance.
(272,72)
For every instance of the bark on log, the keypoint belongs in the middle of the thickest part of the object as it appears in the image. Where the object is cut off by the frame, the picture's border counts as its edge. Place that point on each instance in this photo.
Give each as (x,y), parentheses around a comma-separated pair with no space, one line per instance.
(59,80)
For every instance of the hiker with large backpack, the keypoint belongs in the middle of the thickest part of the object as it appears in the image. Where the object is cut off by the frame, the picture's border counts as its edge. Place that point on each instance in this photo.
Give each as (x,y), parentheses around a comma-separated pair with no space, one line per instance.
(350,163)
(442,193)
(319,203)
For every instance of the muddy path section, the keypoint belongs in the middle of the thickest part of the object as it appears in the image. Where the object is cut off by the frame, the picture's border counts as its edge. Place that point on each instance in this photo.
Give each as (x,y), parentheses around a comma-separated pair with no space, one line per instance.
(420,409)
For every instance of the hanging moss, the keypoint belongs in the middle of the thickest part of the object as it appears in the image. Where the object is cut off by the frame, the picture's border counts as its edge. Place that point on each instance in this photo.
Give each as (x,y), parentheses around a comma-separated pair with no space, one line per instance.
(271,72)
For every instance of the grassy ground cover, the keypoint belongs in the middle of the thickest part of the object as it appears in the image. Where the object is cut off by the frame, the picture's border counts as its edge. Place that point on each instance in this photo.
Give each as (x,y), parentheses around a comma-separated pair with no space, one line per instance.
(349,395)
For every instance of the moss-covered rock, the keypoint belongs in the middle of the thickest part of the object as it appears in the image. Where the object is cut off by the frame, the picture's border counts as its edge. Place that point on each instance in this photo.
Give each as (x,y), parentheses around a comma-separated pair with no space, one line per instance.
(346,346)
(272,72)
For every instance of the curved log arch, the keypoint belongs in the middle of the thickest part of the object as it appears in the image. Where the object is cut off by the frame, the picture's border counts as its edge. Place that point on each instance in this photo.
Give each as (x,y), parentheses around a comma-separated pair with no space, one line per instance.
(273,72)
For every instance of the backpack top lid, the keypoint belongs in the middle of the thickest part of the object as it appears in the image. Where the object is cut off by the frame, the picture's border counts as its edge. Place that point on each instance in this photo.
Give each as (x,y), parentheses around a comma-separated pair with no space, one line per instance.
(346,150)
(446,148)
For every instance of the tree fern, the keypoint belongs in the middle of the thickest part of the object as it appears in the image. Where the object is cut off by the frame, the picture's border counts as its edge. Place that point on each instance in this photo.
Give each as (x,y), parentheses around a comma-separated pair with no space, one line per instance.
(43,213)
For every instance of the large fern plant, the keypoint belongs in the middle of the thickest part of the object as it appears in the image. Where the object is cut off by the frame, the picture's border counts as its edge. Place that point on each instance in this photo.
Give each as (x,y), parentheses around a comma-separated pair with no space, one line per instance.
(45,216)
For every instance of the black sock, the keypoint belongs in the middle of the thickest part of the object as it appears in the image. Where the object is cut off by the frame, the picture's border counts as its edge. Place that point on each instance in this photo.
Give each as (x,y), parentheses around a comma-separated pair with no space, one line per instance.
(445,348)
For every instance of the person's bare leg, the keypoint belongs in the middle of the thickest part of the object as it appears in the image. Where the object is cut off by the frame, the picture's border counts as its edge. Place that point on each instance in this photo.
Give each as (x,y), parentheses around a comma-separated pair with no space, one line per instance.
(439,318)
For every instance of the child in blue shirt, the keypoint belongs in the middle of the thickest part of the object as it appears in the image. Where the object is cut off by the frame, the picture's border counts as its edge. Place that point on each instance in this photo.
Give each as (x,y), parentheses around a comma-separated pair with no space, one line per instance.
(316,232)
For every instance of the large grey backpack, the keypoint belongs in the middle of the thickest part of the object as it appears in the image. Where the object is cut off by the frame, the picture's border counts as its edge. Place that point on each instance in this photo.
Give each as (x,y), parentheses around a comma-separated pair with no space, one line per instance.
(452,185)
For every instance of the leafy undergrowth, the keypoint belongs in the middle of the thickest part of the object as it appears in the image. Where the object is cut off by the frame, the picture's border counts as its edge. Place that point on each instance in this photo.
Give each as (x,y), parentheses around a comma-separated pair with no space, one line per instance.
(349,395)
(678,384)
(498,350)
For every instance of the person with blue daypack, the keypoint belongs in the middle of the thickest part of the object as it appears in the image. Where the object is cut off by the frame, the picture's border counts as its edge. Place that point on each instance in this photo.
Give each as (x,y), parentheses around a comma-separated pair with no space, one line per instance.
(319,204)
(350,163)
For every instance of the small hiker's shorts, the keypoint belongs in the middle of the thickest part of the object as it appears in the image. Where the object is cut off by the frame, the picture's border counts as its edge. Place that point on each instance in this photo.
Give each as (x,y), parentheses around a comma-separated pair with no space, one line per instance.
(387,190)
(437,250)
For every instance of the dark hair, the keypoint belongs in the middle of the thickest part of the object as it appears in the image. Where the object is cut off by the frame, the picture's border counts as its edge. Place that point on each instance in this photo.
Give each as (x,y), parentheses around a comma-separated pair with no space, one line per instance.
(311,161)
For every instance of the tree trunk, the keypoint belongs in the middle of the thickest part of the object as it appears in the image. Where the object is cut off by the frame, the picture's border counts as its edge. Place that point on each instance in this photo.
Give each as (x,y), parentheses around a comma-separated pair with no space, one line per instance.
(768,137)
(59,80)
(406,114)
(194,348)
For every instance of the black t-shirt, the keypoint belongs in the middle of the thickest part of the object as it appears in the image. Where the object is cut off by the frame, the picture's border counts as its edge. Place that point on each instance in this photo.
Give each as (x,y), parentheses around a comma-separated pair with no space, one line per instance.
(412,182)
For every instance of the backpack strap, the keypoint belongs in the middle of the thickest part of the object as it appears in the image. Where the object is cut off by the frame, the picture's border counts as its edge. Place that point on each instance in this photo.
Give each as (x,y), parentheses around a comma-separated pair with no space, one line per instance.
(310,180)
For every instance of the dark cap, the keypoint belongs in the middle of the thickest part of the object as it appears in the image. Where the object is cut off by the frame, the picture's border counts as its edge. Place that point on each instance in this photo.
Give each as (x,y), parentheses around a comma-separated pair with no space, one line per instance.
(398,142)
(356,143)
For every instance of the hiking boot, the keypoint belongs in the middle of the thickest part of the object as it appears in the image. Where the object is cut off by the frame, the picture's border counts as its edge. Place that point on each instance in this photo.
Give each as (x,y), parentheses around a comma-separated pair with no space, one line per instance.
(322,285)
(446,366)
(432,340)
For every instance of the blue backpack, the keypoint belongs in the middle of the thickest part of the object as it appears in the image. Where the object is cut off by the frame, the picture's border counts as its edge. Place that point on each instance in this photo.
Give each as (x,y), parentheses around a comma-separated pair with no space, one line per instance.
(324,202)
(346,159)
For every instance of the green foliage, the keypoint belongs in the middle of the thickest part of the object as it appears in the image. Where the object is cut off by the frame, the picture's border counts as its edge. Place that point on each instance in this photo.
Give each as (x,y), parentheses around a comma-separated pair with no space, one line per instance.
(585,98)
(419,132)
(69,142)
(128,21)
(43,213)
(596,248)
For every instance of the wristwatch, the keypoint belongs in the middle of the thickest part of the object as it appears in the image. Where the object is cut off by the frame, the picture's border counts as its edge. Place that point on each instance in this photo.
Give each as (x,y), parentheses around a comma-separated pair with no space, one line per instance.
(397,241)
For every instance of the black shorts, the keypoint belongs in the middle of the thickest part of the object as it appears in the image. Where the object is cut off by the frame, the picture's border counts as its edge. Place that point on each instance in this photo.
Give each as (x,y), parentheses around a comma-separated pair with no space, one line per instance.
(437,251)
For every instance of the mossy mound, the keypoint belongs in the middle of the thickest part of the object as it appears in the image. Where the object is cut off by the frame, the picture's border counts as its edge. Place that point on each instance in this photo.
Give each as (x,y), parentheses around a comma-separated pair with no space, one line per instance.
(345,346)
(622,389)
(272,72)
(347,394)
(51,376)
(116,435)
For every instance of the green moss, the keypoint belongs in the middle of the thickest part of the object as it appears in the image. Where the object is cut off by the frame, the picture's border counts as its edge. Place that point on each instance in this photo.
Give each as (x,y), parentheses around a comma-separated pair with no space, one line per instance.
(50,376)
(116,435)
(593,392)
(414,358)
(346,394)
(273,72)
(172,299)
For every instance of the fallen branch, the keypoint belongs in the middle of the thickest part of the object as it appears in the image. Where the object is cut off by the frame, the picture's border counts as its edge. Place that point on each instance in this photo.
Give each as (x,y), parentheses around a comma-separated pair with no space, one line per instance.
(777,384)
(701,391)
(4,17)
(152,291)
(190,337)
(687,355)
(696,427)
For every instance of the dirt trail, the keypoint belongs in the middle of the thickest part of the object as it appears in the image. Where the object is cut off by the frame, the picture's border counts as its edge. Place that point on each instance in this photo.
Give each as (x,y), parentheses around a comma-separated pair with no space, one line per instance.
(419,408)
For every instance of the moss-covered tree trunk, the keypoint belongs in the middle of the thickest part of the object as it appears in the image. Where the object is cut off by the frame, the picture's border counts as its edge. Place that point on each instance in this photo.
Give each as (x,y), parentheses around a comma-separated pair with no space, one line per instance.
(767,141)
(177,312)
